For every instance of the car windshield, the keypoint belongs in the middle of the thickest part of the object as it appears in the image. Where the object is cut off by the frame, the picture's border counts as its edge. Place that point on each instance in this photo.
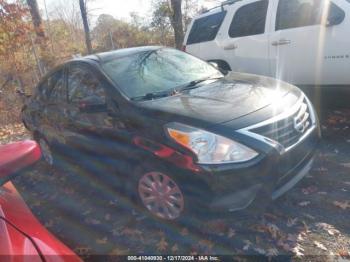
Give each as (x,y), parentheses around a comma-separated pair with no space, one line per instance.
(155,71)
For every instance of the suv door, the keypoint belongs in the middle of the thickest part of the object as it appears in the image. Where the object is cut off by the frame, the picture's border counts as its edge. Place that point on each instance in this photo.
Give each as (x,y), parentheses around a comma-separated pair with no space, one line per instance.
(306,33)
(244,39)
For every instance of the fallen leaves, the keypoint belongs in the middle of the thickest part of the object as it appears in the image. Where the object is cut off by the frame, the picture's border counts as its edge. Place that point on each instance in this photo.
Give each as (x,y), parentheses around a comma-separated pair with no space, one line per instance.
(347,165)
(162,245)
(309,190)
(131,232)
(320,245)
(206,245)
(13,132)
(82,251)
(292,222)
(343,252)
(272,252)
(92,221)
(304,203)
(273,230)
(174,248)
(102,241)
(231,233)
(184,232)
(298,251)
(328,228)
(343,205)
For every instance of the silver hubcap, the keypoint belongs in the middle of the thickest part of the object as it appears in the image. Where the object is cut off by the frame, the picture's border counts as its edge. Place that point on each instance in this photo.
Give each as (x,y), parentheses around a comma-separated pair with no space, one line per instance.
(46,152)
(161,195)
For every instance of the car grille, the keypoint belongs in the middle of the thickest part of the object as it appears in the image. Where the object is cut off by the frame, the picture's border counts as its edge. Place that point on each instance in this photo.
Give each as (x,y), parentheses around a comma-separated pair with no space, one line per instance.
(289,130)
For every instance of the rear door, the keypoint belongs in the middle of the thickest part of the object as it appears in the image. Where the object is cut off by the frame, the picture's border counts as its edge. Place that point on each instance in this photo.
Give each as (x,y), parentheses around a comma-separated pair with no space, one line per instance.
(244,39)
(52,111)
(303,40)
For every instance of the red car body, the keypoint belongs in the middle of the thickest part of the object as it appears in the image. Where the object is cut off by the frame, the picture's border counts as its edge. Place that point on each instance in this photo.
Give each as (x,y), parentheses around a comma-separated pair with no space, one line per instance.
(22,236)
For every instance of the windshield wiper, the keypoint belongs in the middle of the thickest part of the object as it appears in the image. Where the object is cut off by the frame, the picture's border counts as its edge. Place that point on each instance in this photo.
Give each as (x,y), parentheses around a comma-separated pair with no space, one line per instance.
(150,96)
(194,84)
(188,86)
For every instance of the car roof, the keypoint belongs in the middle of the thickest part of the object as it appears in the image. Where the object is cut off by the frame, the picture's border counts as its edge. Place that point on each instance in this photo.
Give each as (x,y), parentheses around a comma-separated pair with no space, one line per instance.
(106,56)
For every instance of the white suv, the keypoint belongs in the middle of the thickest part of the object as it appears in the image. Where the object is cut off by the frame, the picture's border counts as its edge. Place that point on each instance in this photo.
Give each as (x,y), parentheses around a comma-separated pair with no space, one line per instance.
(304,42)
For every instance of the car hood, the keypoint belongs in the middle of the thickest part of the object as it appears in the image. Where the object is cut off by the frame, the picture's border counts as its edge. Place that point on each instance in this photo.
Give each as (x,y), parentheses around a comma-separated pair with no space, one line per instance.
(227,99)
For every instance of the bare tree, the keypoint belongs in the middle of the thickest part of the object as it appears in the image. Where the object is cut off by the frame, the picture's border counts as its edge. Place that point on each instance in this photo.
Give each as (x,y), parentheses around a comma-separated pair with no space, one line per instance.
(36,18)
(84,16)
(40,34)
(176,22)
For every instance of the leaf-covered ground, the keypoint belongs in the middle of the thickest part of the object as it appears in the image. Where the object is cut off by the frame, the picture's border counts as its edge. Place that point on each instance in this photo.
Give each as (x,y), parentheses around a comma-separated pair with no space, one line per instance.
(312,220)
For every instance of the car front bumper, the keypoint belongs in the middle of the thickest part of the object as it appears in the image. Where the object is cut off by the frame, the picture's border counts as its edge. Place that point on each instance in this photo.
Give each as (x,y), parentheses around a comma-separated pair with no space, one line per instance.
(264,180)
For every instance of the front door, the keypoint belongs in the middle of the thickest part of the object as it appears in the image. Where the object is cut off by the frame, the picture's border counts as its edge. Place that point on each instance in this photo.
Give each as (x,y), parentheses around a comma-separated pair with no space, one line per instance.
(88,121)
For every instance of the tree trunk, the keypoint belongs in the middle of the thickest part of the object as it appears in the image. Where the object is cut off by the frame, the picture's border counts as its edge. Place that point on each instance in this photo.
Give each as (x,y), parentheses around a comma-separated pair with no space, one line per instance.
(176,22)
(86,25)
(41,40)
(37,22)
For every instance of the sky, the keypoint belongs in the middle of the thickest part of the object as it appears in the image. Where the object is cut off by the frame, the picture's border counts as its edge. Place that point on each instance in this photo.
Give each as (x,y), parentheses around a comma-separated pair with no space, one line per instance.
(121,8)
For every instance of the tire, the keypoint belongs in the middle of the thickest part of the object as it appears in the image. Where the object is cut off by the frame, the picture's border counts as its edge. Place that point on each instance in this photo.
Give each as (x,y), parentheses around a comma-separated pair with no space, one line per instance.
(46,151)
(159,193)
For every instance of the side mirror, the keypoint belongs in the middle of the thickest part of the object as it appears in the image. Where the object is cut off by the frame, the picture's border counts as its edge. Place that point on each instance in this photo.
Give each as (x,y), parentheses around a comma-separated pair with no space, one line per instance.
(335,16)
(17,156)
(214,64)
(92,104)
(217,66)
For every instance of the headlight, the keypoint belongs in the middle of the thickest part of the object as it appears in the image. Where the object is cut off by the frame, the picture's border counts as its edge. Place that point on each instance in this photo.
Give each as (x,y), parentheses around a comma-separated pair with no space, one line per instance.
(210,148)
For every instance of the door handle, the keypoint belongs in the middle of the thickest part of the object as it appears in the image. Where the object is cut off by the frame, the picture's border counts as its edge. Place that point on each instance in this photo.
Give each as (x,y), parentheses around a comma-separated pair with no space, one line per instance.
(230,47)
(281,42)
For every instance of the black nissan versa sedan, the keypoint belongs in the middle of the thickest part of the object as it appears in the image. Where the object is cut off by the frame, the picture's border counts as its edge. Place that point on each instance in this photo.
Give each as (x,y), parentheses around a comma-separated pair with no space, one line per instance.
(189,136)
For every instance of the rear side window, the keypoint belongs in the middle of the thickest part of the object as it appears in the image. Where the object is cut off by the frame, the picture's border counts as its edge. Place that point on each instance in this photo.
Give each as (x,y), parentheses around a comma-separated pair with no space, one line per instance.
(249,20)
(58,91)
(84,85)
(47,86)
(301,13)
(206,28)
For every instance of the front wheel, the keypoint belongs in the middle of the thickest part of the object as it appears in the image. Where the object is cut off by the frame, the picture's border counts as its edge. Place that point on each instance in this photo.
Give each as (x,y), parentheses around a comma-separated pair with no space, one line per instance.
(161,195)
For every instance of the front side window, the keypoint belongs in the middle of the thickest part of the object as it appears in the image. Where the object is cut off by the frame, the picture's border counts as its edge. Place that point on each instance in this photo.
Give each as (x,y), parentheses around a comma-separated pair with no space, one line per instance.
(156,70)
(301,13)
(249,20)
(83,85)
(206,28)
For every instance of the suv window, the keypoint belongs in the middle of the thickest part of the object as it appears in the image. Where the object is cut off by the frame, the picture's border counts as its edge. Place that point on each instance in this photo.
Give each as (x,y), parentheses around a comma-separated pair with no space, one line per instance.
(249,20)
(84,85)
(206,28)
(58,87)
(300,13)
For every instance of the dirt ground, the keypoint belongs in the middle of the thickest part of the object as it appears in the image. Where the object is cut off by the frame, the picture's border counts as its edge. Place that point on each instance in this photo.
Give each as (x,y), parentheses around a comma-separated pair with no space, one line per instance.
(311,222)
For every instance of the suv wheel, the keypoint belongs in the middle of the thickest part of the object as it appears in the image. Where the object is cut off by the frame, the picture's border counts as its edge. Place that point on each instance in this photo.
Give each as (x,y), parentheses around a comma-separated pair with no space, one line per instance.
(46,151)
(161,195)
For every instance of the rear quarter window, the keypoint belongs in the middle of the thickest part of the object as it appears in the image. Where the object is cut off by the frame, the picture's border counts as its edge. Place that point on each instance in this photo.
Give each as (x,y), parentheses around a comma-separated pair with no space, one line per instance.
(206,28)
